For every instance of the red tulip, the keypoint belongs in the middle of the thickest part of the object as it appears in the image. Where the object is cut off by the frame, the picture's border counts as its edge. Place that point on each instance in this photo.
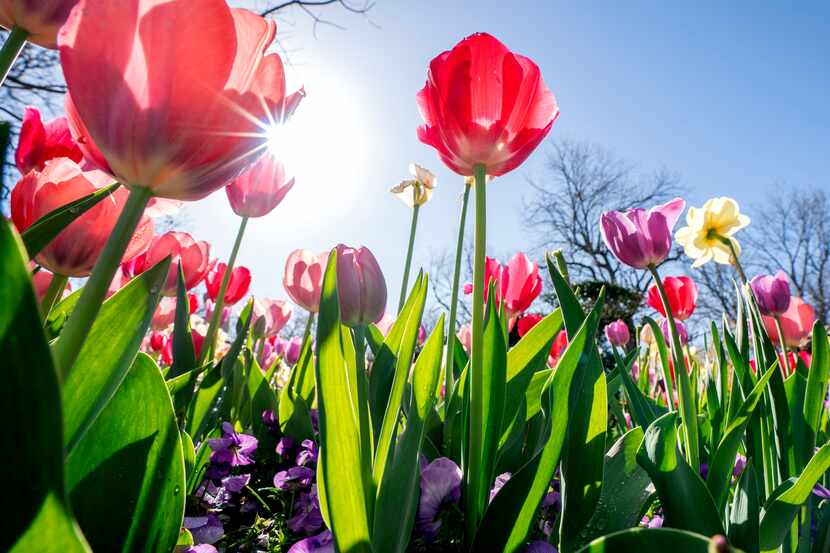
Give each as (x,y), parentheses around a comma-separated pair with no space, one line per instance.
(165,314)
(41,281)
(361,286)
(238,284)
(260,189)
(189,93)
(483,104)
(303,278)
(39,143)
(198,343)
(682,293)
(192,255)
(277,313)
(75,250)
(797,322)
(40,18)
(529,320)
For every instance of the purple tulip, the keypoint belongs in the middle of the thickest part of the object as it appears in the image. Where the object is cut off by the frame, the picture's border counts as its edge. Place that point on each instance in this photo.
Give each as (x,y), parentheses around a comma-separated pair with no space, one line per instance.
(440,485)
(617,333)
(361,286)
(772,292)
(233,448)
(682,333)
(321,543)
(641,238)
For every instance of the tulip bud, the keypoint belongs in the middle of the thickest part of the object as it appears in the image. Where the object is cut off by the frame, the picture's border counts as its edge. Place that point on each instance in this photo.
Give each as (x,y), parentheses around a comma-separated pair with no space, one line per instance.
(772,292)
(360,285)
(261,188)
(617,333)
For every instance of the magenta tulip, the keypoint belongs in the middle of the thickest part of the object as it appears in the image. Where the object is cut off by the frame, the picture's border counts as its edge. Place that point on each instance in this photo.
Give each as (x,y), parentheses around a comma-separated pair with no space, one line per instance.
(641,238)
(772,292)
(361,286)
(617,333)
(260,189)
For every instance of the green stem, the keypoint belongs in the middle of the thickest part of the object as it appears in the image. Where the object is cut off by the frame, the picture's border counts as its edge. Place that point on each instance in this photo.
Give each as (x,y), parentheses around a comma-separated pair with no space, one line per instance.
(409,250)
(731,245)
(11,49)
(687,407)
(476,495)
(308,326)
(219,305)
(56,287)
(449,376)
(94,292)
(780,329)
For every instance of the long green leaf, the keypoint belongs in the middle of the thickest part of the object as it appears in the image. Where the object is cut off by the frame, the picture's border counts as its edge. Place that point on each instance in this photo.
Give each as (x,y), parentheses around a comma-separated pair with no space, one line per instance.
(745,512)
(398,494)
(38,518)
(109,351)
(342,475)
(50,225)
(126,476)
(816,384)
(648,540)
(184,356)
(687,503)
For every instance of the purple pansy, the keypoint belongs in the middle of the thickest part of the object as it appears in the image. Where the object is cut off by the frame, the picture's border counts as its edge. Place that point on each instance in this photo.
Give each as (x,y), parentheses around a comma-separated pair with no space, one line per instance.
(321,543)
(233,448)
(235,484)
(201,548)
(207,529)
(308,453)
(821,491)
(440,484)
(270,420)
(654,522)
(284,447)
(293,478)
(501,480)
(540,546)
(307,517)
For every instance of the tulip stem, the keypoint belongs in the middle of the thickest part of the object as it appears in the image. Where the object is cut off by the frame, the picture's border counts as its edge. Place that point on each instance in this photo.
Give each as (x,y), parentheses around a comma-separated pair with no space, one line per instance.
(687,406)
(219,303)
(408,264)
(308,325)
(779,327)
(56,287)
(11,49)
(449,376)
(75,331)
(476,491)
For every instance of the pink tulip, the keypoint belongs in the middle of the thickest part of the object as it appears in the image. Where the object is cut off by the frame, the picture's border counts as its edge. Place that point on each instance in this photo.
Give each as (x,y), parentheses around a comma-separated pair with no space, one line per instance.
(797,322)
(617,333)
(640,238)
(165,314)
(682,333)
(518,283)
(224,318)
(385,325)
(238,284)
(260,189)
(75,250)
(465,336)
(483,104)
(40,18)
(192,255)
(189,92)
(682,294)
(39,143)
(303,278)
(276,313)
(289,349)
(772,292)
(361,286)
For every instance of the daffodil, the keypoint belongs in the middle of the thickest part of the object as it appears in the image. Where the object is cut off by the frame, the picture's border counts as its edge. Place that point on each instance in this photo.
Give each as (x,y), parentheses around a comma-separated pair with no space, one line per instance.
(709,232)
(417,191)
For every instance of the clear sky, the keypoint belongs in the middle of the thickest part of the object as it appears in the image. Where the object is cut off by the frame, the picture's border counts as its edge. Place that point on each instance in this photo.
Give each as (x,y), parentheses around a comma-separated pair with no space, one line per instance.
(732,96)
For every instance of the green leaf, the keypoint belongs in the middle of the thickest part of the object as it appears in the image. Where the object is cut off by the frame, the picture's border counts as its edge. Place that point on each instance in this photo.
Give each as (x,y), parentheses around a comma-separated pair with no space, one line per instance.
(398,494)
(642,411)
(626,488)
(514,509)
(816,384)
(262,398)
(30,406)
(785,501)
(184,356)
(60,313)
(649,540)
(50,225)
(822,540)
(108,352)
(745,511)
(403,365)
(201,413)
(584,453)
(723,461)
(490,394)
(126,475)
(687,503)
(344,480)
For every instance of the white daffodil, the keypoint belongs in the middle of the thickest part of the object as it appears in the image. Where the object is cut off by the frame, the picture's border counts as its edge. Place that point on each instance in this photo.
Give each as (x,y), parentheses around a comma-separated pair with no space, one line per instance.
(710,229)
(417,191)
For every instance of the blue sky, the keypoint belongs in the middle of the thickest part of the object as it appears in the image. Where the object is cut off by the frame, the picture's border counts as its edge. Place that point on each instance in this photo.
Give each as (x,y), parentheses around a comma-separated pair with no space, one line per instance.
(732,96)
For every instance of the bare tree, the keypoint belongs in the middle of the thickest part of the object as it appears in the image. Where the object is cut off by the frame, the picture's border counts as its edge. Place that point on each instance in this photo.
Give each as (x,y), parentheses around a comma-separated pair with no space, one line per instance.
(584,180)
(440,269)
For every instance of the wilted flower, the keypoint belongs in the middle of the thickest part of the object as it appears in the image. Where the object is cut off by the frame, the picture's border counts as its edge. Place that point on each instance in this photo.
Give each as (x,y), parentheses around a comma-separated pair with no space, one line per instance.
(440,484)
(709,229)
(617,333)
(233,448)
(682,294)
(772,292)
(416,191)
(641,238)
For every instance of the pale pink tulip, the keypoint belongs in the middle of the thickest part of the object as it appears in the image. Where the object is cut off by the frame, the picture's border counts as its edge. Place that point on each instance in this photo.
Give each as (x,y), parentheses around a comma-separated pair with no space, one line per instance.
(192,255)
(303,278)
(260,189)
(361,286)
(276,313)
